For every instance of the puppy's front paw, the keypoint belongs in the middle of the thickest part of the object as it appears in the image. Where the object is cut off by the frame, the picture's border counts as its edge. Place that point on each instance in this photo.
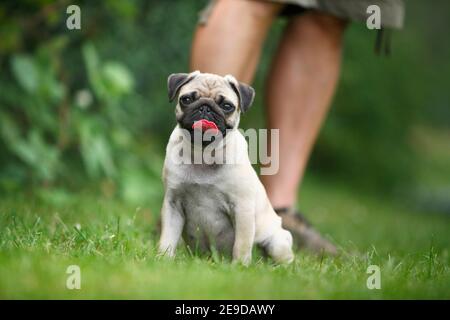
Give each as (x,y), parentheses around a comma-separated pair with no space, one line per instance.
(243,259)
(285,258)
(166,251)
(279,247)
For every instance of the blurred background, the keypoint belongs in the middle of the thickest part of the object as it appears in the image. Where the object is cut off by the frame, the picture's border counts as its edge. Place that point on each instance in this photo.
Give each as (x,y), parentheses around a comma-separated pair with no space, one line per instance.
(87,109)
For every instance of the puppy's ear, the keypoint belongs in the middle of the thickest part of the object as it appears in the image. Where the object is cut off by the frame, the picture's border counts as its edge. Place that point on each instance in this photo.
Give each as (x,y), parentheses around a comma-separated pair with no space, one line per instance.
(245,93)
(176,81)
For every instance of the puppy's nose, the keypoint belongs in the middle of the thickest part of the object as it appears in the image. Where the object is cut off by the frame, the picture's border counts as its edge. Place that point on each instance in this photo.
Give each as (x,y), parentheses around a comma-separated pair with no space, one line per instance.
(205,108)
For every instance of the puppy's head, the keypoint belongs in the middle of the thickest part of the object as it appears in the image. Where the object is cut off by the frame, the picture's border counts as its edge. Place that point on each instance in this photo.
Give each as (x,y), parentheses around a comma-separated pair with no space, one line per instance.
(209,98)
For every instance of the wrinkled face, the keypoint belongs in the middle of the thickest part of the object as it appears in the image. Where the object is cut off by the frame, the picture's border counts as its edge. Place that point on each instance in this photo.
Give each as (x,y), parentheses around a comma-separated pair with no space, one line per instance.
(208,97)
(208,101)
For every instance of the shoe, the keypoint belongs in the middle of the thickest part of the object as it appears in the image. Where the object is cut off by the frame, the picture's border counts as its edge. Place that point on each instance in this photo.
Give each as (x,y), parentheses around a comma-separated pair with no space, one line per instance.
(305,236)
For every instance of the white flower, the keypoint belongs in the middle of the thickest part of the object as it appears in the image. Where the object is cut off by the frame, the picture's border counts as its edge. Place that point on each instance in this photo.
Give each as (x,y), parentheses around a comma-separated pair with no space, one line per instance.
(83,98)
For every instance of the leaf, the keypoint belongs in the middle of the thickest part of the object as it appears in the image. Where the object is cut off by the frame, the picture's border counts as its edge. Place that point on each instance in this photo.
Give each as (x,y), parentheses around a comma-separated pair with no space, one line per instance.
(117,78)
(92,63)
(9,130)
(25,72)
(109,80)
(95,150)
(40,156)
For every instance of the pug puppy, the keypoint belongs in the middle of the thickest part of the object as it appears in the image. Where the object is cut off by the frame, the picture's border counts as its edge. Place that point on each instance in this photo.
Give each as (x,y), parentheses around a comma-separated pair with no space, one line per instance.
(216,206)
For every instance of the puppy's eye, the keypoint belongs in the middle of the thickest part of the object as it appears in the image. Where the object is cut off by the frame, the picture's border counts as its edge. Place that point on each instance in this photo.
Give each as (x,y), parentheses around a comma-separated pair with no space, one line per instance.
(186,100)
(228,107)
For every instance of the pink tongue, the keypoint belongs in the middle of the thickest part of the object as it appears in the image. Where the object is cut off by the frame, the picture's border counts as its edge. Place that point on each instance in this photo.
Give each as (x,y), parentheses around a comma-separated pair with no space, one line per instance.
(204,125)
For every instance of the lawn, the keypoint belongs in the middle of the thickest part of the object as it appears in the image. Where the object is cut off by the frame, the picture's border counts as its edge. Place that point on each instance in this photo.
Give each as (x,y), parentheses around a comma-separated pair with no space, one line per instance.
(114,245)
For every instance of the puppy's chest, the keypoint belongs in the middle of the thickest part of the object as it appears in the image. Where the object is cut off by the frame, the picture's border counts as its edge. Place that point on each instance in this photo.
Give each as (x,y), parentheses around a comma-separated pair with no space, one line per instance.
(203,199)
(208,212)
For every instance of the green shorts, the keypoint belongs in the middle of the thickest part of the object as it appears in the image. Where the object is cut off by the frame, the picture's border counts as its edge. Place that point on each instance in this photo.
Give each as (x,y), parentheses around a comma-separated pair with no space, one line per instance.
(391,11)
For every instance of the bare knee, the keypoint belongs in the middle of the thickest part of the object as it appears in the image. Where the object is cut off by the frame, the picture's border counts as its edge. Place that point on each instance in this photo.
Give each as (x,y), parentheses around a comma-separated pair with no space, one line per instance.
(242,14)
(231,39)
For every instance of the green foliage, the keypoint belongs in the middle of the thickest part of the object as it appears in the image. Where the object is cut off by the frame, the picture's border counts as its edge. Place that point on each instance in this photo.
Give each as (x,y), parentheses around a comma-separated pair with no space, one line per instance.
(54,117)
(55,122)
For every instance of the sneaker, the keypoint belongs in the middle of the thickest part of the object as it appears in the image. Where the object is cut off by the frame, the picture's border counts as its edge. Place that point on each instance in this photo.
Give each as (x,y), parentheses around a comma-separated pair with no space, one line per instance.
(305,236)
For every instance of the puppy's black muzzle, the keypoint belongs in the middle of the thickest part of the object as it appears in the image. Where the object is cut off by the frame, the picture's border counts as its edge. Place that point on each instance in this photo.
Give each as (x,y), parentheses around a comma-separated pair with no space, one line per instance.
(203,108)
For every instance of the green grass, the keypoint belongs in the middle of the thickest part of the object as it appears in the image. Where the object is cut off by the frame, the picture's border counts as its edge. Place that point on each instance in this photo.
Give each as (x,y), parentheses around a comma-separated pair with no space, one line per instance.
(114,245)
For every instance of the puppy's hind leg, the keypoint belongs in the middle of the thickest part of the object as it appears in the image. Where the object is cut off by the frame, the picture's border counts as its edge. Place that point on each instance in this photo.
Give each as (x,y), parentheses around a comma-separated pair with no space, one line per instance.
(279,246)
